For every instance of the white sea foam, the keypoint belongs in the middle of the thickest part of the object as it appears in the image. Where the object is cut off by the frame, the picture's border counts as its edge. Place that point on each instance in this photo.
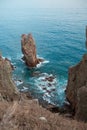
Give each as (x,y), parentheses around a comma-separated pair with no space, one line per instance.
(18,82)
(24,88)
(19,56)
(41,63)
(13,64)
(46,61)
(3,57)
(46,86)
(22,71)
(50,88)
(22,60)
(8,57)
(46,98)
(47,95)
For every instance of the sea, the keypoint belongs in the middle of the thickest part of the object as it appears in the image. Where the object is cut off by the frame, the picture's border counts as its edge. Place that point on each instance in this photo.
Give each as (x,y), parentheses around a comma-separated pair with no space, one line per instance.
(60,40)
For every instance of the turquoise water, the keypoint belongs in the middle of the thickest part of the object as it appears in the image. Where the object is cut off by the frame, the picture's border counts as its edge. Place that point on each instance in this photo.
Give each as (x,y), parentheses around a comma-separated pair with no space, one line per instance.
(60,40)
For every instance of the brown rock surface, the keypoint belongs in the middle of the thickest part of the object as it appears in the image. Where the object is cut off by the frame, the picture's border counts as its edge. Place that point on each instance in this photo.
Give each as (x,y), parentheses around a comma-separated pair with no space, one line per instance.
(28,115)
(81,113)
(8,91)
(29,50)
(77,79)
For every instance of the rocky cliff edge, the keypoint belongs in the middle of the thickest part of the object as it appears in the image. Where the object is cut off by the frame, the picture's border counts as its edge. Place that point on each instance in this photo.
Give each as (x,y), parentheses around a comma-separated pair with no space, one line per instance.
(76,91)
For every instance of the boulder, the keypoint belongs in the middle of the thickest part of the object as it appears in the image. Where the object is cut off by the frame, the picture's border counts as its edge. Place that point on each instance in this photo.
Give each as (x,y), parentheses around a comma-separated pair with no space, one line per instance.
(29,50)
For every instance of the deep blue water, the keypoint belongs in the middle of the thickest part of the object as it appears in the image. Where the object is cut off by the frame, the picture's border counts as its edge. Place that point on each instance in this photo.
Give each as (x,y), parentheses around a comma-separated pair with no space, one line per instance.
(60,39)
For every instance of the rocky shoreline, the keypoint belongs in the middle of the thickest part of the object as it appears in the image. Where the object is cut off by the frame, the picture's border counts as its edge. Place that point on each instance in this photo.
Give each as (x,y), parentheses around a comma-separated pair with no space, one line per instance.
(19,111)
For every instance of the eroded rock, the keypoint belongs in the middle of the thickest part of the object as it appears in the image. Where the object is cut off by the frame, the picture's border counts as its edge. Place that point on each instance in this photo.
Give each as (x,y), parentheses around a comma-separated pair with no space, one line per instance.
(8,91)
(29,50)
(78,79)
(81,113)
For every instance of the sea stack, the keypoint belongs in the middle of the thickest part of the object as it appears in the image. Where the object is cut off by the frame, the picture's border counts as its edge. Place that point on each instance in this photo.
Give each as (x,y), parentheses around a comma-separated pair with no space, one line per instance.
(29,50)
(77,89)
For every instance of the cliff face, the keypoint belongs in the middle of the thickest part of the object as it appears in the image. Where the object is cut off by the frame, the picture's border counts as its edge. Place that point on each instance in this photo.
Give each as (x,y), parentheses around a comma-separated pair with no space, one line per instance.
(81,111)
(76,92)
(29,50)
(8,91)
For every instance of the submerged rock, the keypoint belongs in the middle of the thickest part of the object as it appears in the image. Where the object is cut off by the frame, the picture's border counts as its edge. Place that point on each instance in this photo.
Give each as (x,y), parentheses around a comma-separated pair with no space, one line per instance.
(76,95)
(8,91)
(50,78)
(29,50)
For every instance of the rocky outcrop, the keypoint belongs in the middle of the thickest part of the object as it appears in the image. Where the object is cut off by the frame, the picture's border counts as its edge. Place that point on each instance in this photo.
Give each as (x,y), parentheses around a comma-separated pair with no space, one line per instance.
(29,50)
(76,93)
(8,91)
